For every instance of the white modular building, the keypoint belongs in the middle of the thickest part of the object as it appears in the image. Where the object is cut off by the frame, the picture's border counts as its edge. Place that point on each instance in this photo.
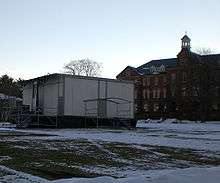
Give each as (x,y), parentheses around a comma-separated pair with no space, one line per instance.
(75,99)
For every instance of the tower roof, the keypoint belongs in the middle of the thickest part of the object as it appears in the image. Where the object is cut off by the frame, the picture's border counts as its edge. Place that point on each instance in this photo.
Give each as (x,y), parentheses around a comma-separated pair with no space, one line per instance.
(185,37)
(186,42)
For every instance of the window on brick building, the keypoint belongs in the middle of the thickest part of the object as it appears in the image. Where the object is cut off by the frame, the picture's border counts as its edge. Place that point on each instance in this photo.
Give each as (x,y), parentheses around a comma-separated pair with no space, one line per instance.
(144,93)
(183,91)
(164,79)
(194,76)
(156,107)
(165,107)
(135,107)
(148,81)
(215,106)
(173,76)
(184,76)
(144,82)
(146,107)
(137,82)
(172,92)
(216,91)
(158,93)
(156,81)
(154,93)
(196,91)
(135,94)
(148,93)
(164,93)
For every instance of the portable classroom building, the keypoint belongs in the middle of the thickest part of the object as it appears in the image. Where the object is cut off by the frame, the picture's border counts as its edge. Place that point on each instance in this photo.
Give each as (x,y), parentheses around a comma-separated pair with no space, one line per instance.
(75,99)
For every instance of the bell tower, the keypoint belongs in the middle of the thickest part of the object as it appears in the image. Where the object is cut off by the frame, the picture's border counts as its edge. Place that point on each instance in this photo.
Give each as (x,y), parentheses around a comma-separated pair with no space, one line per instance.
(186,42)
(186,46)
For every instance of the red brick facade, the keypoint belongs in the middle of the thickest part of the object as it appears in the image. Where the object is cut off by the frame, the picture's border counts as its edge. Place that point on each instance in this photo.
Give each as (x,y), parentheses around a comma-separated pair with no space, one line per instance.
(186,87)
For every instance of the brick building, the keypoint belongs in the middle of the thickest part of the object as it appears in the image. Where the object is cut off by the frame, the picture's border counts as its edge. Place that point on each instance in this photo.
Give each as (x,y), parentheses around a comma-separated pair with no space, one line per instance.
(186,87)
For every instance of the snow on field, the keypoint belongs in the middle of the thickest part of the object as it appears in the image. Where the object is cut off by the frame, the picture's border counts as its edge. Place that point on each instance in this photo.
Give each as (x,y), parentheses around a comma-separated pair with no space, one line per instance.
(13,176)
(189,175)
(7,125)
(198,136)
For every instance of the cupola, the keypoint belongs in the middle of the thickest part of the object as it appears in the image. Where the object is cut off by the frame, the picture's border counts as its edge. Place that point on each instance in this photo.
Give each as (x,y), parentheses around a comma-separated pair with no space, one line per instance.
(186,42)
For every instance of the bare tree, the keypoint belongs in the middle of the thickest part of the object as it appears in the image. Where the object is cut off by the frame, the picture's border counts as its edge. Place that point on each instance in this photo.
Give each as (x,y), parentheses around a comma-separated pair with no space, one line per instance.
(73,67)
(204,51)
(85,67)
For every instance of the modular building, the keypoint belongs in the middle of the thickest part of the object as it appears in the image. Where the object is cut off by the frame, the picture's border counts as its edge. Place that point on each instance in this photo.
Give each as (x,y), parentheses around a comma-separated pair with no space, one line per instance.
(79,101)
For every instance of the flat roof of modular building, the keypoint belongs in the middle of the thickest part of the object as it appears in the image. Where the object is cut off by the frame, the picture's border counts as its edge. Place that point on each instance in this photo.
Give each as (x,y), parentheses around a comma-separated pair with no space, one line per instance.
(59,75)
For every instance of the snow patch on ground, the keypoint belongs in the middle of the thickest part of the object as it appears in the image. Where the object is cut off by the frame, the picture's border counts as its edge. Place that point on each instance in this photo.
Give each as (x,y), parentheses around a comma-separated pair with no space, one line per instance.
(204,137)
(13,176)
(7,125)
(189,175)
(198,136)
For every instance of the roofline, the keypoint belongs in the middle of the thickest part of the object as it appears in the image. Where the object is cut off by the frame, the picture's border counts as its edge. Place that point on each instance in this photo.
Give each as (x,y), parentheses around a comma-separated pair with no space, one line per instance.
(216,54)
(174,58)
(133,68)
(157,60)
(78,77)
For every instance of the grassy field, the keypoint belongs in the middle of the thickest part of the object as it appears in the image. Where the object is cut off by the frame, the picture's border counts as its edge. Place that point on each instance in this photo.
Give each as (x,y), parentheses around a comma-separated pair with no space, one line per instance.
(59,158)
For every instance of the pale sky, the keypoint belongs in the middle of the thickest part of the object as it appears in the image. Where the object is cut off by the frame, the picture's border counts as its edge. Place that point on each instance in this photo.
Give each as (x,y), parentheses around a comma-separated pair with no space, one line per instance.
(38,36)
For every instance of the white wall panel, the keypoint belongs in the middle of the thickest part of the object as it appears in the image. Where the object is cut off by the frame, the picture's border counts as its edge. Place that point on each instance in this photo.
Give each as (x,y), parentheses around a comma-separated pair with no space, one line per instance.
(76,91)
(50,98)
(124,91)
(102,90)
